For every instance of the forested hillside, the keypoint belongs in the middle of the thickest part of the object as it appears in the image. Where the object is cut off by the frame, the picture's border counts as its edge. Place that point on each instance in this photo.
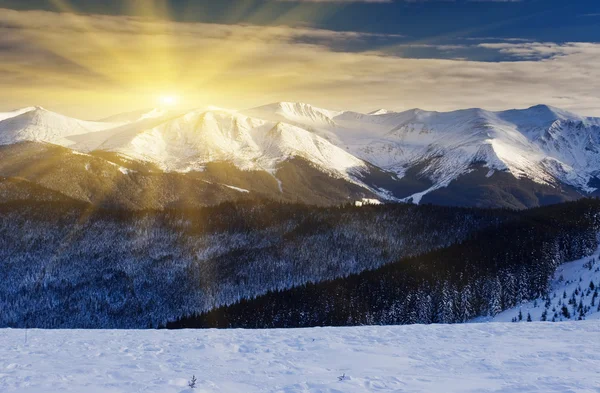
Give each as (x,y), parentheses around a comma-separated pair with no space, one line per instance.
(492,270)
(67,265)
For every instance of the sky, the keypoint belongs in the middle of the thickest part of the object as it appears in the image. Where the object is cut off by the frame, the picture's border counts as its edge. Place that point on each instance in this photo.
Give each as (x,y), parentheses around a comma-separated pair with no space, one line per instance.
(92,59)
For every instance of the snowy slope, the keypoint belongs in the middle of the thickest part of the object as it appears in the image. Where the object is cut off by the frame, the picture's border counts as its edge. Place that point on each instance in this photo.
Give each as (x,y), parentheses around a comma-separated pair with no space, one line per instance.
(317,120)
(191,141)
(39,124)
(295,112)
(7,115)
(509,358)
(574,288)
(92,141)
(545,144)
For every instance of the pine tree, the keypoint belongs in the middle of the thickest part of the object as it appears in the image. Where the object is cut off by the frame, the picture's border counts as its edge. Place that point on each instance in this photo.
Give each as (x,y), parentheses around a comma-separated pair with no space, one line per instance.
(192,382)
(520,315)
(528,317)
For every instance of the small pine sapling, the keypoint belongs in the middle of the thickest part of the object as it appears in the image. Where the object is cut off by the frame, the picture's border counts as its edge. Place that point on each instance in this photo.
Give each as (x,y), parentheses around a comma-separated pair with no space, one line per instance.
(192,382)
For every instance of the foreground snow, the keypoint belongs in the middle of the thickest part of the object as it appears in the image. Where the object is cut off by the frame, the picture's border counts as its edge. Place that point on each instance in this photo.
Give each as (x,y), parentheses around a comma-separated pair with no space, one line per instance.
(493,357)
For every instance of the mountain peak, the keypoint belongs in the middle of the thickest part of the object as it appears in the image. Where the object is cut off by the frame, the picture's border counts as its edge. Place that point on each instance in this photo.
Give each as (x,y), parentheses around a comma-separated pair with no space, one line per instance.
(538,114)
(380,112)
(35,114)
(39,124)
(17,112)
(295,112)
(548,110)
(544,107)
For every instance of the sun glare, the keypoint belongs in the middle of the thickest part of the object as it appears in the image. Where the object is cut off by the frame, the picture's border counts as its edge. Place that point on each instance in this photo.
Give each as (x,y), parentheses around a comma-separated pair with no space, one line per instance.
(168,100)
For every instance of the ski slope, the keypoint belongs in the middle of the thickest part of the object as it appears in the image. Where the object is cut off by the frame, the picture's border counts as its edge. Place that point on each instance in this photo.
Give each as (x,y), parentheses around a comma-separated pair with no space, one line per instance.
(493,357)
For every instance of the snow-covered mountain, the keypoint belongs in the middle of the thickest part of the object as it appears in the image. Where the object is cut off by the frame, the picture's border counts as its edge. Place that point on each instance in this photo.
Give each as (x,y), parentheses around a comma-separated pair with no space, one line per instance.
(295,112)
(6,115)
(225,154)
(514,158)
(189,142)
(546,145)
(40,125)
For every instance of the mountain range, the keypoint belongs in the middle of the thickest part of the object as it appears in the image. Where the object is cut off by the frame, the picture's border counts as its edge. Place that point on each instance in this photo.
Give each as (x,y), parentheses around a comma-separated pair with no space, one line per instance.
(300,153)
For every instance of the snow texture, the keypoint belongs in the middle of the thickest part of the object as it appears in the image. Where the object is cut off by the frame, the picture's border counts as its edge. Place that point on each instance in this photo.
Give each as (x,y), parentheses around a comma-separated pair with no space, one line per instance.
(493,357)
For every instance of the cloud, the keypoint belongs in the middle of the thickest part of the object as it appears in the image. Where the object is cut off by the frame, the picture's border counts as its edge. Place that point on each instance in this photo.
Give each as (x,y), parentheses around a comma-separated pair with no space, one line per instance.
(93,65)
(543,50)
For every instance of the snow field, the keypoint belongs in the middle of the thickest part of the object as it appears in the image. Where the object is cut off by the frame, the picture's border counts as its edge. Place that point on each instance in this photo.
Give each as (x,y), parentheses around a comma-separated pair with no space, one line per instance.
(492,357)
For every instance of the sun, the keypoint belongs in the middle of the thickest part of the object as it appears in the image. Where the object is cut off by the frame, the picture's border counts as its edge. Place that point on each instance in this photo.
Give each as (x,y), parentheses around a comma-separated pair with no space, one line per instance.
(168,100)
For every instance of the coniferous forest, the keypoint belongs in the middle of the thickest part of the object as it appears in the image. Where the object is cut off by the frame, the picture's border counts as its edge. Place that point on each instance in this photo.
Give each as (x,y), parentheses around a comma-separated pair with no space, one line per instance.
(492,270)
(268,264)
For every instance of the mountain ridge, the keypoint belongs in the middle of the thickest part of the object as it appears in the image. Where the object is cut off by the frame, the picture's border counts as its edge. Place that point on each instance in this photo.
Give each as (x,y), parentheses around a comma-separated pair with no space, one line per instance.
(551,147)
